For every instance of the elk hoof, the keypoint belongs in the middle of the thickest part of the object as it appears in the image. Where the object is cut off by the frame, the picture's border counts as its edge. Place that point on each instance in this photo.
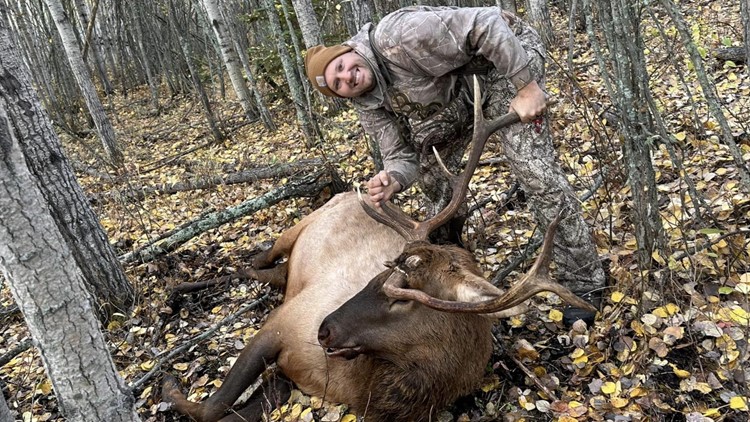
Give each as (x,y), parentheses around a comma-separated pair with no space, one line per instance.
(170,389)
(571,314)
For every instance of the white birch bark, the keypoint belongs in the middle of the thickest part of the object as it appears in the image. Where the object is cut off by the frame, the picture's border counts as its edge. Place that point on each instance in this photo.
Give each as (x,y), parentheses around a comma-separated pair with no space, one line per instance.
(538,15)
(83,77)
(75,220)
(308,22)
(48,287)
(230,58)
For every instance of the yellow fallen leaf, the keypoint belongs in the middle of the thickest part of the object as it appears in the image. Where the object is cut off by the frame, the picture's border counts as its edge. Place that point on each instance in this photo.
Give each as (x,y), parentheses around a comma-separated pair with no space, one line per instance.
(712,412)
(577,353)
(679,372)
(555,315)
(637,392)
(148,365)
(316,402)
(739,315)
(181,366)
(661,312)
(617,297)
(296,411)
(618,402)
(609,387)
(349,418)
(672,308)
(44,387)
(738,403)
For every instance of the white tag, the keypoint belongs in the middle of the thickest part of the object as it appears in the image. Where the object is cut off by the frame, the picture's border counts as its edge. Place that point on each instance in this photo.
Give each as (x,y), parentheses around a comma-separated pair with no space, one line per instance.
(321,80)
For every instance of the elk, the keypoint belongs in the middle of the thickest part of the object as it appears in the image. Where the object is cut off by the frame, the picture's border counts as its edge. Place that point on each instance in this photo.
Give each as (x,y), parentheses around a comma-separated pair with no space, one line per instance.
(373,315)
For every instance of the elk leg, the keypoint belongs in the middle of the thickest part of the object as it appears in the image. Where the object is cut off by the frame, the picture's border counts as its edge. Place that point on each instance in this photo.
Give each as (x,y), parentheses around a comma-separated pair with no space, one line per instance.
(275,276)
(269,396)
(260,351)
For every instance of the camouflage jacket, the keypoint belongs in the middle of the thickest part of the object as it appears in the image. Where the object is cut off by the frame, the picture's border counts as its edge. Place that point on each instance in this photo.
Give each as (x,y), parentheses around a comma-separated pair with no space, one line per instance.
(422,48)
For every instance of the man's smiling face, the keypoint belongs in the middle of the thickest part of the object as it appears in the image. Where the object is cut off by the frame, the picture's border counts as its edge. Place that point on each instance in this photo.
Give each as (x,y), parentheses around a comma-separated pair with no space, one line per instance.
(349,75)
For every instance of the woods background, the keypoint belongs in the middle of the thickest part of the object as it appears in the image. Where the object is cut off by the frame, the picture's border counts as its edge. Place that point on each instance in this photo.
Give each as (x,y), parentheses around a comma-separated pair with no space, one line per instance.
(151,148)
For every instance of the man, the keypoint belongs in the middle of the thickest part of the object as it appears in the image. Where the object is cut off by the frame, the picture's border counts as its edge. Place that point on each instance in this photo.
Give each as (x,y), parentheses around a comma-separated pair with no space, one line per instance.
(409,76)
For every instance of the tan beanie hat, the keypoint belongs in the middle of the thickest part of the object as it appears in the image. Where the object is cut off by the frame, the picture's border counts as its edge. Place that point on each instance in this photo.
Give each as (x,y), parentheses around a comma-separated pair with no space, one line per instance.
(316,60)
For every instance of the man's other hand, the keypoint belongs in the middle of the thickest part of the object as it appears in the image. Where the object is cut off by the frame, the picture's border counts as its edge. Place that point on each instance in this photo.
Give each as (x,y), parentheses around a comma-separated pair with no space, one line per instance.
(382,187)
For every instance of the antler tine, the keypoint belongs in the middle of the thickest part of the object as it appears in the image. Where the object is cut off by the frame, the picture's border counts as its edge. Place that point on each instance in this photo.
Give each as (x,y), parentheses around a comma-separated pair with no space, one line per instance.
(541,265)
(442,164)
(392,218)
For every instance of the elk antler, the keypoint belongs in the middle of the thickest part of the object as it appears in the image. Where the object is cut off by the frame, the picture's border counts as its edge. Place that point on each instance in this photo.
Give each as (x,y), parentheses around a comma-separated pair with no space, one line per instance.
(535,281)
(412,230)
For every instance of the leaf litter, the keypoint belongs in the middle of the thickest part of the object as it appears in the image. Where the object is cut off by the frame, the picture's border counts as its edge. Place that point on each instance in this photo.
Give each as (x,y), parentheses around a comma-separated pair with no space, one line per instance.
(671,342)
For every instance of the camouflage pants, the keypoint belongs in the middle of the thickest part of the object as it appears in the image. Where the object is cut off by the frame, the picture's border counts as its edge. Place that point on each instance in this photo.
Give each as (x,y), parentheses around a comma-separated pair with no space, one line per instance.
(532,159)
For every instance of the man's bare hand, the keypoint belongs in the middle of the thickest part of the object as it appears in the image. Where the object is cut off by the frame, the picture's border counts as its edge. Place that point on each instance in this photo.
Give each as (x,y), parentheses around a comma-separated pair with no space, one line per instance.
(530,102)
(382,187)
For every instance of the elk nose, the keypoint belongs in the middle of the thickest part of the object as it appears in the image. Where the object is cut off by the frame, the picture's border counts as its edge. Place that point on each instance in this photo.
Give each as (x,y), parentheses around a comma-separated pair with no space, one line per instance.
(324,333)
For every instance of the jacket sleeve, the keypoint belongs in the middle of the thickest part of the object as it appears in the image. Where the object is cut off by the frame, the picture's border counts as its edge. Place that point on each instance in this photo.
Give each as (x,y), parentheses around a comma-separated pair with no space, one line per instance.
(399,159)
(456,36)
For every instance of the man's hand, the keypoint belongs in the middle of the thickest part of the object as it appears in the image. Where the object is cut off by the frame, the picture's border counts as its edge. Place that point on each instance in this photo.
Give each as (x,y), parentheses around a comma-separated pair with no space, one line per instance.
(382,187)
(530,102)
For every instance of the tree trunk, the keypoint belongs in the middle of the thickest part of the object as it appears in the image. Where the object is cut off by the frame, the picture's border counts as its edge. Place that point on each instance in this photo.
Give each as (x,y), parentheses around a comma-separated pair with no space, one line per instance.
(292,76)
(308,22)
(356,14)
(709,91)
(81,73)
(75,220)
(195,77)
(745,13)
(509,5)
(230,58)
(5,415)
(153,80)
(538,15)
(91,44)
(628,88)
(310,185)
(48,286)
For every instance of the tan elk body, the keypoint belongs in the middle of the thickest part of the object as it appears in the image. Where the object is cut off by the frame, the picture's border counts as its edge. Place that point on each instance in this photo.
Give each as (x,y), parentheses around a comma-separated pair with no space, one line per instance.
(396,342)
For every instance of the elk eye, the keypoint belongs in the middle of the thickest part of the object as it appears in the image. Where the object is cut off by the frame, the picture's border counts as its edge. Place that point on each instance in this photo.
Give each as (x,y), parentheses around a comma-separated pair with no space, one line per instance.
(398,302)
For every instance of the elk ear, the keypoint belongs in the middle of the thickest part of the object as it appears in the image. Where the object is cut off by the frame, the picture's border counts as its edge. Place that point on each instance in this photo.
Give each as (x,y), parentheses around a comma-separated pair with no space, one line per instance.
(477,289)
(474,288)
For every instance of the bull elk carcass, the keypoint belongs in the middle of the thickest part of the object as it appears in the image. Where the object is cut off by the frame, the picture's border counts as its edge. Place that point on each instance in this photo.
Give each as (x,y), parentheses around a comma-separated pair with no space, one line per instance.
(373,315)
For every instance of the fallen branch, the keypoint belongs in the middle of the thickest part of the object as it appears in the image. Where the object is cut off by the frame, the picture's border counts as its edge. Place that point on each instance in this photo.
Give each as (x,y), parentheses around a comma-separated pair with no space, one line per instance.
(309,185)
(8,311)
(281,170)
(12,353)
(694,250)
(532,376)
(164,357)
(730,54)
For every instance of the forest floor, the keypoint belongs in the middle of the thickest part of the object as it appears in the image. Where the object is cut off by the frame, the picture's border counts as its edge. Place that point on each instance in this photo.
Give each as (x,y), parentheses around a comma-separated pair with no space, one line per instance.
(670,342)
